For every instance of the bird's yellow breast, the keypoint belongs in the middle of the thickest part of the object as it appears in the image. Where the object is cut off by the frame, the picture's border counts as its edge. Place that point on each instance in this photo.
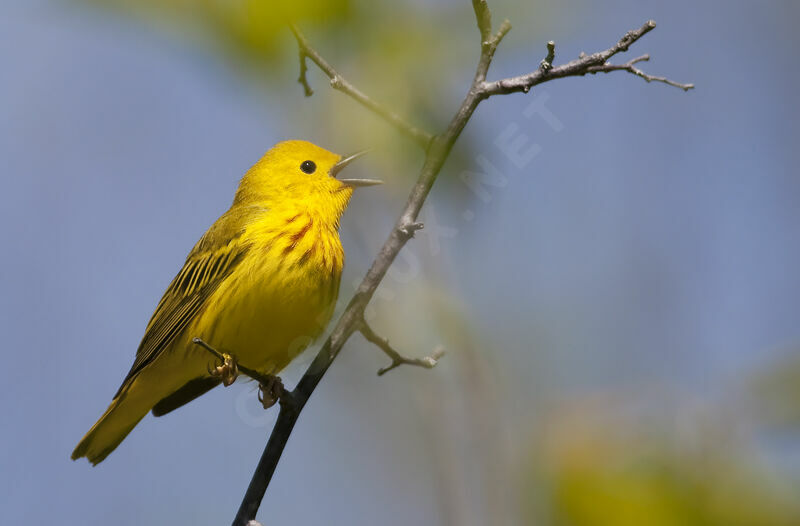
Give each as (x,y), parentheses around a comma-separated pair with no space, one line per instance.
(284,294)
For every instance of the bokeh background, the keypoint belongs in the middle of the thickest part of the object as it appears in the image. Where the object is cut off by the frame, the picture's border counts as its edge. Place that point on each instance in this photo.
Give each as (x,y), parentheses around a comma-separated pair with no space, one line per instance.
(620,311)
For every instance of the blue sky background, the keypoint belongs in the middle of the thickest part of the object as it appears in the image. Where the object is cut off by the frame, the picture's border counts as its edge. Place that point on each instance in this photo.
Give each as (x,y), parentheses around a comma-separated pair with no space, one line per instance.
(651,247)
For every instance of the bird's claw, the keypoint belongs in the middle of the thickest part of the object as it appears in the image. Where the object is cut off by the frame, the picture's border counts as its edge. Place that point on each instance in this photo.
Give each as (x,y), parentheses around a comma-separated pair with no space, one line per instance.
(269,393)
(227,371)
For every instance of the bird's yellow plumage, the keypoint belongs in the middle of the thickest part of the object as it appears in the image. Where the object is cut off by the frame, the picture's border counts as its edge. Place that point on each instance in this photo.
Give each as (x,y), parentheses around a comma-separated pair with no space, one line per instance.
(261,284)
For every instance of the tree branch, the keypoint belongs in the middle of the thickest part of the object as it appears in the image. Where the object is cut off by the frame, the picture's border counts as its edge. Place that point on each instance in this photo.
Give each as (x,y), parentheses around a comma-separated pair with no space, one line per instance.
(629,66)
(428,362)
(338,82)
(594,63)
(437,149)
(484,19)
(303,78)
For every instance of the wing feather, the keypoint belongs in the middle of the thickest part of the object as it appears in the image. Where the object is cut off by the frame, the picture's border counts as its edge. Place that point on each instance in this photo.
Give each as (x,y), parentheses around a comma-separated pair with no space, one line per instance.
(209,263)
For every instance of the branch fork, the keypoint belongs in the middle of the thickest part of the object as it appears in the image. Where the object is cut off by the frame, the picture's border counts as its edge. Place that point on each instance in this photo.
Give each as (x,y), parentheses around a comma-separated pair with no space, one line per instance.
(428,362)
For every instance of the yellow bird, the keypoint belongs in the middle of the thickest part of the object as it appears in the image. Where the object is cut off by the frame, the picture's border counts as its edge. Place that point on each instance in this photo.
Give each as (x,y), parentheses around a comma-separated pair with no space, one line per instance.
(261,284)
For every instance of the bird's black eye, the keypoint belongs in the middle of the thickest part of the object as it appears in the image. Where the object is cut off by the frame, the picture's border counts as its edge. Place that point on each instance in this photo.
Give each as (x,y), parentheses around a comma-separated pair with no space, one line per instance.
(308,167)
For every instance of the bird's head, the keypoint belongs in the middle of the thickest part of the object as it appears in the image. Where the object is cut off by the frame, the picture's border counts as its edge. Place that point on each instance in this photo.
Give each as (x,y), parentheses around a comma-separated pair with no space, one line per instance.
(298,173)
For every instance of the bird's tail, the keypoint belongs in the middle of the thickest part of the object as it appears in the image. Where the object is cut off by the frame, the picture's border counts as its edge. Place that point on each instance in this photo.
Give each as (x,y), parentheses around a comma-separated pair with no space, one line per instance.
(125,411)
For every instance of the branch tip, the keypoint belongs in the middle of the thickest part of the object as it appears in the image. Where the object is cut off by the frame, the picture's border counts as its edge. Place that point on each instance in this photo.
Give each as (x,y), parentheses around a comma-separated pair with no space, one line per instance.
(199,341)
(505,27)
(547,62)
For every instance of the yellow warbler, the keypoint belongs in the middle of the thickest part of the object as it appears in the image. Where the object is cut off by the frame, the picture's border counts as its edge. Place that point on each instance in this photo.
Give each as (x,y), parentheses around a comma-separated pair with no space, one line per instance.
(260,284)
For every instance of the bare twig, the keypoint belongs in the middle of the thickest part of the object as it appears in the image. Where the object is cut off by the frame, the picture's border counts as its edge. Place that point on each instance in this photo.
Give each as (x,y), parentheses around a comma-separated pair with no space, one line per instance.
(437,148)
(489,45)
(484,19)
(303,78)
(338,82)
(547,62)
(629,66)
(428,362)
(594,63)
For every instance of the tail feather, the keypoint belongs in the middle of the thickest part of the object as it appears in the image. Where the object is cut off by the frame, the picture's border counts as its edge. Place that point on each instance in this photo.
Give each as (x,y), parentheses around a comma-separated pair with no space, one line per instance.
(125,411)
(137,396)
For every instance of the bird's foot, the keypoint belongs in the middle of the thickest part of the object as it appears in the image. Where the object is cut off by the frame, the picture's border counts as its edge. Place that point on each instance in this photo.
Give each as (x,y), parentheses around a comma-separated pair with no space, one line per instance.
(271,391)
(227,371)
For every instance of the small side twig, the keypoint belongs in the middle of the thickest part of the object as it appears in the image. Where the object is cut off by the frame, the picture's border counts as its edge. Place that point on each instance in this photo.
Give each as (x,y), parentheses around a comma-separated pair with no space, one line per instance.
(629,67)
(339,83)
(303,78)
(547,62)
(428,362)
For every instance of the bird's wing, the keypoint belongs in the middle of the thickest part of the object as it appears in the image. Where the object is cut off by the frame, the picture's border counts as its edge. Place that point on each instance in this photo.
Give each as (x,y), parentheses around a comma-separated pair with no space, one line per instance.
(209,263)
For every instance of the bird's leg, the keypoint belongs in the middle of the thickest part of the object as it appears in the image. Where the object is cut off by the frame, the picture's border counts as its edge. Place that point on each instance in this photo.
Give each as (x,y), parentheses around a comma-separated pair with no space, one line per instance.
(270,391)
(227,371)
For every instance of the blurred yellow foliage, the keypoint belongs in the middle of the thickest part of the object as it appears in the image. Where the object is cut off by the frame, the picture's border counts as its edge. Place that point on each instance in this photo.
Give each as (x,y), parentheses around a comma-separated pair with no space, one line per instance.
(247,27)
(777,394)
(602,468)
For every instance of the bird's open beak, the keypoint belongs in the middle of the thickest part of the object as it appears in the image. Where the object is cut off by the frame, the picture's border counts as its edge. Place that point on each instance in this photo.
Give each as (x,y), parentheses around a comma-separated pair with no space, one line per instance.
(352,182)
